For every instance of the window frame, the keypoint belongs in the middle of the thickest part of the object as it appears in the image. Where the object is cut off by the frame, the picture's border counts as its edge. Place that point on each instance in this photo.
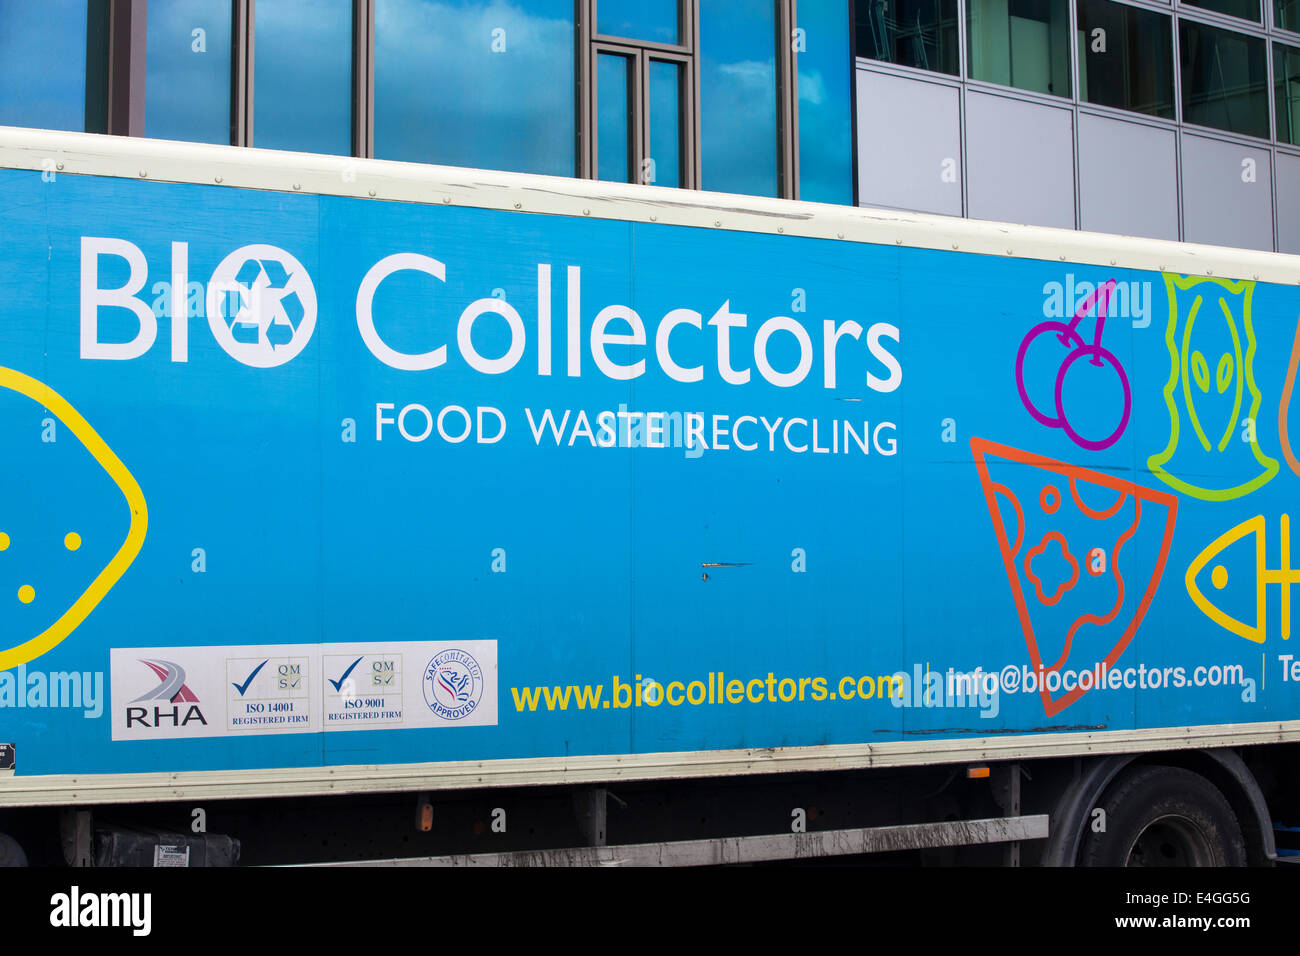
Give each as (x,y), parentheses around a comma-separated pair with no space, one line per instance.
(1172,48)
(1260,36)
(591,45)
(127,59)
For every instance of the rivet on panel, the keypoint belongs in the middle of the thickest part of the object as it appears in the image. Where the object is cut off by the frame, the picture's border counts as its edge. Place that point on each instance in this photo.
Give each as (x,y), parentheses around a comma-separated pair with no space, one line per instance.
(519,205)
(297,186)
(372,193)
(218,179)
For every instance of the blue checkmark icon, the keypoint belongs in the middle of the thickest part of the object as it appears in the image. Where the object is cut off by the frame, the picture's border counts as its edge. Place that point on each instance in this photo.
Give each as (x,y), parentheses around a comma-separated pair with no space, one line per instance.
(338,684)
(244,686)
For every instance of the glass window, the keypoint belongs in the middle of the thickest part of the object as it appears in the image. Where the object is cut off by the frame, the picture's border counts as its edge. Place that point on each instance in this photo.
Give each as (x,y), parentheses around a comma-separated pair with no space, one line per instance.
(919,33)
(665,124)
(739,142)
(825,68)
(1126,58)
(1224,79)
(1286,14)
(1286,80)
(476,83)
(1021,43)
(654,20)
(302,69)
(613,148)
(187,71)
(1246,9)
(53,58)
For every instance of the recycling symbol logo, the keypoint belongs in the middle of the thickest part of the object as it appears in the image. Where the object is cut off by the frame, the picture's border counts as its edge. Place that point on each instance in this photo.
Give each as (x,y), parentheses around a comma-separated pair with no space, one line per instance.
(261,306)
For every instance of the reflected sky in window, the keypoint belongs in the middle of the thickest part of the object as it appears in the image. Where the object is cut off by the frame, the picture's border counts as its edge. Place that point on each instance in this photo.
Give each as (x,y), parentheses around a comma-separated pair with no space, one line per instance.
(187,71)
(302,62)
(665,123)
(738,127)
(653,20)
(43,64)
(612,118)
(825,110)
(472,83)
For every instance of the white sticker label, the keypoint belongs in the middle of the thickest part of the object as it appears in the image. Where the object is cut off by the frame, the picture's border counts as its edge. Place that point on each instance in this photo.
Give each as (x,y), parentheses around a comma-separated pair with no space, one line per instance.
(170,692)
(171,856)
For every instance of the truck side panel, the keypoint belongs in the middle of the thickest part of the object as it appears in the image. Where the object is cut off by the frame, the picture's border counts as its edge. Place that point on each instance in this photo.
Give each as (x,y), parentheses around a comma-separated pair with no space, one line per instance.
(546,486)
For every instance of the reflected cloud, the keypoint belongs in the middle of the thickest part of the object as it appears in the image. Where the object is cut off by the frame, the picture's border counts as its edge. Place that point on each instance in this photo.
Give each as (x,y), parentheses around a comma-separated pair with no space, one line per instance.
(443,94)
(812,88)
(825,110)
(738,127)
(739,146)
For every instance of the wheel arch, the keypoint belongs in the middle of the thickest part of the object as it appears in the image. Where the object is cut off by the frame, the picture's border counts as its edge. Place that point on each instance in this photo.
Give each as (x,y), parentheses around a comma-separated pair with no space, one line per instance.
(1222,767)
(1226,770)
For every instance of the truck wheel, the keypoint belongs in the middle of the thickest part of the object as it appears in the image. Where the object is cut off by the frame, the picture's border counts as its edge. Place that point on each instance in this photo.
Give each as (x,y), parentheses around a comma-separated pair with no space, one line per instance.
(11,854)
(1164,816)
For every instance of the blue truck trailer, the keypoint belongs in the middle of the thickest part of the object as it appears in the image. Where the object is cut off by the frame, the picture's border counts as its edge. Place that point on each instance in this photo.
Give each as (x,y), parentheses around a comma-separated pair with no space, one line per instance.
(597,523)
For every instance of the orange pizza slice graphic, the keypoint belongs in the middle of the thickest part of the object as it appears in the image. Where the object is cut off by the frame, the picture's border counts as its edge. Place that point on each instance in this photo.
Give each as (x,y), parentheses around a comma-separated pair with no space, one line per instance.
(17,553)
(1069,542)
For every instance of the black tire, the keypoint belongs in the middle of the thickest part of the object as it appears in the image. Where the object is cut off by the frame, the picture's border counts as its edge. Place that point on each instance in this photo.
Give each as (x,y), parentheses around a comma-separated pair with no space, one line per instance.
(1164,816)
(11,854)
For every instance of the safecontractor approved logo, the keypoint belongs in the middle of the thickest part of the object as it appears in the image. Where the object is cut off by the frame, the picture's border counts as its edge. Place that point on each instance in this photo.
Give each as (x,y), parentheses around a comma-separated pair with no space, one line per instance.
(453,684)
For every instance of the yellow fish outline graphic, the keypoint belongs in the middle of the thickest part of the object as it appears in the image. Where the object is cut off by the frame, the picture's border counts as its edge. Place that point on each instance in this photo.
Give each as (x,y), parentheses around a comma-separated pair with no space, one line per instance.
(1284,576)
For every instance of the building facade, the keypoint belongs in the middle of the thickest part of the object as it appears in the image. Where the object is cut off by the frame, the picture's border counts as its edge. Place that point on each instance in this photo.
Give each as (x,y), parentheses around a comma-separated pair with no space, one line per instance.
(1157,118)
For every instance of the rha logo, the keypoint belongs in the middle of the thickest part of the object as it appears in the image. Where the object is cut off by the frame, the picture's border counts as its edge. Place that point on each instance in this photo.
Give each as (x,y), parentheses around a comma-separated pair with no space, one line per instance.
(171,689)
(133,910)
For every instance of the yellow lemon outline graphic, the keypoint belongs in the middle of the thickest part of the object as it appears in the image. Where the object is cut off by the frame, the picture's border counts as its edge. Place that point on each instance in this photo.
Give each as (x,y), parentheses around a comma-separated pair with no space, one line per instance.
(80,609)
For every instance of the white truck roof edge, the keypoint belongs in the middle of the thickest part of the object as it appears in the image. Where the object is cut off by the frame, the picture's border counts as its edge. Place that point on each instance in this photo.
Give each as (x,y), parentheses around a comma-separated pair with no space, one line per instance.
(315,174)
